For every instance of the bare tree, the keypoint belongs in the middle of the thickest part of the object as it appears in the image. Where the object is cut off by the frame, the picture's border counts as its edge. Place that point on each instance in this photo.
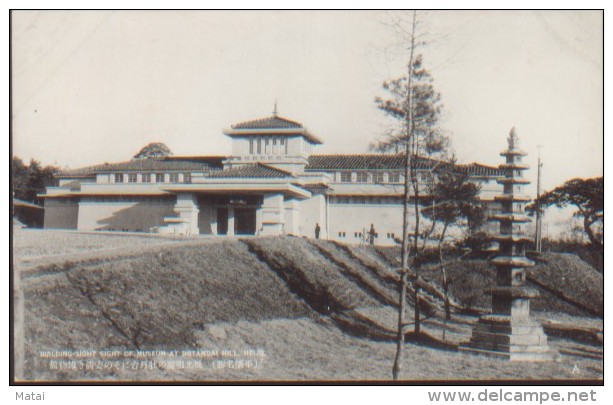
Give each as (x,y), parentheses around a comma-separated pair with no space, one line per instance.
(415,104)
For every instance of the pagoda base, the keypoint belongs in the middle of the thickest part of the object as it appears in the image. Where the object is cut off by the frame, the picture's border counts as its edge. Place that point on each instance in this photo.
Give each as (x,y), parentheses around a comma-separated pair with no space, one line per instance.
(511,338)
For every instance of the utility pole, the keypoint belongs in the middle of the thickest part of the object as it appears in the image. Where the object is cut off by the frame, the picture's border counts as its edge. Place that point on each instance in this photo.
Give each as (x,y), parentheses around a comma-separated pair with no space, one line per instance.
(538,236)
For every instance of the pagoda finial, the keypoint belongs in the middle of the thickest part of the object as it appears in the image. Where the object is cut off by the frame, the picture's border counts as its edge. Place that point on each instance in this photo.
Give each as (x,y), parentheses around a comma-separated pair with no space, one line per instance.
(274,112)
(513,139)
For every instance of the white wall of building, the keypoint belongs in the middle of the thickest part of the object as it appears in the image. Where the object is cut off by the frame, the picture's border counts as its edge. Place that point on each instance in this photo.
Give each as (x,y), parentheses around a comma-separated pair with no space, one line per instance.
(128,215)
(240,146)
(292,216)
(207,219)
(312,212)
(347,221)
(61,213)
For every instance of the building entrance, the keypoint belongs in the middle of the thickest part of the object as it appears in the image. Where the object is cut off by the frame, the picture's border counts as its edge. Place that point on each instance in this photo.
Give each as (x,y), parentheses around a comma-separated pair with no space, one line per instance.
(244,221)
(222,221)
(241,220)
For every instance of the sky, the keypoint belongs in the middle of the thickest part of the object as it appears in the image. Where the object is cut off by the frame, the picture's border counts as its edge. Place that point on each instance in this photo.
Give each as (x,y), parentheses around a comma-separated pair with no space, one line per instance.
(95,86)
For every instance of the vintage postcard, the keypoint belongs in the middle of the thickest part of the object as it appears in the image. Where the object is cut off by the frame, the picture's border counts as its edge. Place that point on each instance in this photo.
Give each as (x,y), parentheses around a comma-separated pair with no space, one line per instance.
(409,197)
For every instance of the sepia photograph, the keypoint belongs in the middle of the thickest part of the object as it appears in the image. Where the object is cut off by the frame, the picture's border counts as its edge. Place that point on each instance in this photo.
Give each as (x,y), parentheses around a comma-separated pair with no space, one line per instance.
(307,197)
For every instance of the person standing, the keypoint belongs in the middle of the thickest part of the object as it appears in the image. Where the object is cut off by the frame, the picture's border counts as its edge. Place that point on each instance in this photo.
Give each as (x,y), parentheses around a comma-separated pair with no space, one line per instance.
(317,230)
(372,234)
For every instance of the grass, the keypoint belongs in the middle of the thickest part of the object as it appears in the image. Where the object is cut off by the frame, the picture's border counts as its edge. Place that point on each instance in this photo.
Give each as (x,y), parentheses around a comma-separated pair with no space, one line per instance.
(35,243)
(383,289)
(566,283)
(319,310)
(315,278)
(314,349)
(157,300)
(570,279)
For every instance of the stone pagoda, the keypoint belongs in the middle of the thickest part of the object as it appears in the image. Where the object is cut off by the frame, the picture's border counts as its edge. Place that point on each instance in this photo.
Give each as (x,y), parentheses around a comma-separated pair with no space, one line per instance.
(510,332)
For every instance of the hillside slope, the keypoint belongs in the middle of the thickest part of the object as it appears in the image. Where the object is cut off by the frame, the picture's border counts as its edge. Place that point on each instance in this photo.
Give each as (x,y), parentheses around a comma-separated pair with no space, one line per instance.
(177,296)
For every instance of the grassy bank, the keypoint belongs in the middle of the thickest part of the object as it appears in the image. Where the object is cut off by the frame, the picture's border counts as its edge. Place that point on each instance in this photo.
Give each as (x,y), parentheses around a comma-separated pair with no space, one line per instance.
(316,309)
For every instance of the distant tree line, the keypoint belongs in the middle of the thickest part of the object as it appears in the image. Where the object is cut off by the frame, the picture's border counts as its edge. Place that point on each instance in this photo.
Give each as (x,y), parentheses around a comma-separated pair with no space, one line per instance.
(28,180)
(153,150)
(587,197)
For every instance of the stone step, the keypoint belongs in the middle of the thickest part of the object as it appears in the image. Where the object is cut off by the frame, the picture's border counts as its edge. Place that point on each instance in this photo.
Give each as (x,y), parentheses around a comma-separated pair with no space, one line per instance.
(542,348)
(536,329)
(527,339)
(544,356)
(506,348)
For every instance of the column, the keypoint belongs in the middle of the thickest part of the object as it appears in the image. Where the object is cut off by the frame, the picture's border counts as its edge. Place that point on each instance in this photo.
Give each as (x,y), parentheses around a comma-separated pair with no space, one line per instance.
(230,221)
(273,215)
(292,217)
(187,208)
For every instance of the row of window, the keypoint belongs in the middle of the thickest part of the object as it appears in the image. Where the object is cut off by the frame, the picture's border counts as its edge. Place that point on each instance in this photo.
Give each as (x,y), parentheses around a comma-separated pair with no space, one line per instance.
(154,178)
(268,145)
(129,199)
(360,235)
(379,177)
(360,199)
(370,177)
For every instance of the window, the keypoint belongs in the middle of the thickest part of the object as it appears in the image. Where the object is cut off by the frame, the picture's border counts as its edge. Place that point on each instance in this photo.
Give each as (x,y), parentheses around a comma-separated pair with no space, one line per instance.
(378,177)
(267,146)
(393,177)
(391,200)
(343,199)
(362,177)
(346,177)
(283,147)
(146,177)
(118,177)
(159,177)
(341,234)
(424,177)
(187,177)
(358,199)
(174,177)
(251,146)
(259,146)
(132,178)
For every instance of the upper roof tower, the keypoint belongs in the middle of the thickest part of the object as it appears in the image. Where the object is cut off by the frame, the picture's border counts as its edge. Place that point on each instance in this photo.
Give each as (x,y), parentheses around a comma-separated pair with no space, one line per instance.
(274,140)
(273,125)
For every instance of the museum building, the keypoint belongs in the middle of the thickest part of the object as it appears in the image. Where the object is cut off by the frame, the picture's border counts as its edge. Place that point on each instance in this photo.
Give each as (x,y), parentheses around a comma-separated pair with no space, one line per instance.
(272,184)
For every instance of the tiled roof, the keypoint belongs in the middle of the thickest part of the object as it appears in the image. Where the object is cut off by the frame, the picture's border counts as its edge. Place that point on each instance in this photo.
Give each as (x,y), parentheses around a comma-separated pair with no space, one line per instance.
(190,163)
(477,169)
(316,187)
(252,170)
(315,163)
(268,122)
(363,162)
(387,162)
(87,171)
(278,126)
